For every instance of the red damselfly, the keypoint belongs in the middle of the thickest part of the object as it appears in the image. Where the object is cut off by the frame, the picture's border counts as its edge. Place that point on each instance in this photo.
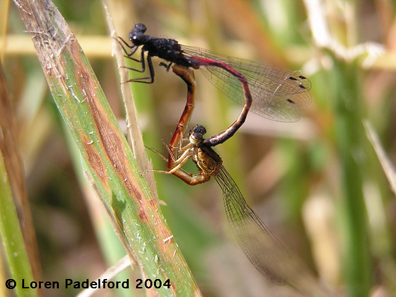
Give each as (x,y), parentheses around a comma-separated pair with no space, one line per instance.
(274,93)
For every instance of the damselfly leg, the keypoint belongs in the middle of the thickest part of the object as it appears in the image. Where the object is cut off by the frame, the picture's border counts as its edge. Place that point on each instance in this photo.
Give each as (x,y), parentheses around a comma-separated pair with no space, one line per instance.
(128,55)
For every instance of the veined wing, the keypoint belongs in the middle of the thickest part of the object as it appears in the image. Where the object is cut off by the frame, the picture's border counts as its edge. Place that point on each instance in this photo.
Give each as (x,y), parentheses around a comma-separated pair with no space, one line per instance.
(278,94)
(255,239)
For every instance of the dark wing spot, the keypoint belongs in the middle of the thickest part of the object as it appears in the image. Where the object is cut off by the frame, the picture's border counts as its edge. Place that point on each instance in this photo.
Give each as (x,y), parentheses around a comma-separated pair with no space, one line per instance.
(292,78)
(290,101)
(302,77)
(302,86)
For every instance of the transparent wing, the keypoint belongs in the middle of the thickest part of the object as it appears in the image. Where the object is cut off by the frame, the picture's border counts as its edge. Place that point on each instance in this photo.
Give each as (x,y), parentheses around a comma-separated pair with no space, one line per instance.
(278,94)
(260,246)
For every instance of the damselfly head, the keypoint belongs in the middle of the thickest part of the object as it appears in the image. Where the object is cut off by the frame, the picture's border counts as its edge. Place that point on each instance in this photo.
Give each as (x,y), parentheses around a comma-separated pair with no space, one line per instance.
(196,135)
(137,35)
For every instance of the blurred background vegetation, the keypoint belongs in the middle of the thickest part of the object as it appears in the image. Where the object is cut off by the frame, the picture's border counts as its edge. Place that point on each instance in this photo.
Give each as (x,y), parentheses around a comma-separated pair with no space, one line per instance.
(318,183)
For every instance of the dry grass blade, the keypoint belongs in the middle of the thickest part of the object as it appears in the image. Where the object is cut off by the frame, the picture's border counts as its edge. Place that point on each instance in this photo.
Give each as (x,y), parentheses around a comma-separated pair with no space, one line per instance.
(135,137)
(385,161)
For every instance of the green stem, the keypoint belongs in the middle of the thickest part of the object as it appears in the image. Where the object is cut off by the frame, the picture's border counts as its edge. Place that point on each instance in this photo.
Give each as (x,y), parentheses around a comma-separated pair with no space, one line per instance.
(349,140)
(12,238)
